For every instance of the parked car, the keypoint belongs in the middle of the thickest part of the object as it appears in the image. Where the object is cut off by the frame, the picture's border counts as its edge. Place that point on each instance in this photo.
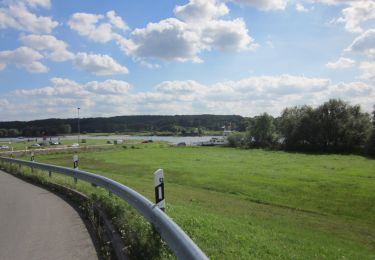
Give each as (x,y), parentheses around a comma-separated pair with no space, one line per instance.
(4,147)
(35,145)
(75,145)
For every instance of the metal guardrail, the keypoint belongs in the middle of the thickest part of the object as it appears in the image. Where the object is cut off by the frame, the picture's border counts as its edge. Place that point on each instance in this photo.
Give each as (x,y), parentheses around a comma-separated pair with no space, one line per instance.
(177,240)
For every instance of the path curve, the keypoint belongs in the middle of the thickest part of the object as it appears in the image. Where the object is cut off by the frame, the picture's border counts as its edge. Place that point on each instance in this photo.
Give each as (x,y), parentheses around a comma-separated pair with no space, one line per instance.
(37,224)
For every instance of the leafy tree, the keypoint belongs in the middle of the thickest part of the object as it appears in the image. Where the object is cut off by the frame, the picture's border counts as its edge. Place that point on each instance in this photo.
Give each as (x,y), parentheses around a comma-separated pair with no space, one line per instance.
(263,131)
(343,128)
(371,141)
(236,139)
(3,132)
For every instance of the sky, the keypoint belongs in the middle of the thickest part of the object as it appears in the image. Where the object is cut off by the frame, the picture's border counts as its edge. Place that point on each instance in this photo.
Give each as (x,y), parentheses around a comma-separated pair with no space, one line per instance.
(164,57)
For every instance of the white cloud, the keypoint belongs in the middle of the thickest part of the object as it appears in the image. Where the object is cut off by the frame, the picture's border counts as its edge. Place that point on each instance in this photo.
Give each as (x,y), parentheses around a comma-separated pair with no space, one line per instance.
(92,27)
(265,5)
(301,8)
(60,88)
(168,39)
(197,29)
(368,71)
(226,35)
(199,10)
(23,57)
(52,48)
(39,3)
(342,63)
(17,16)
(109,86)
(248,97)
(117,21)
(183,40)
(357,13)
(364,44)
(101,65)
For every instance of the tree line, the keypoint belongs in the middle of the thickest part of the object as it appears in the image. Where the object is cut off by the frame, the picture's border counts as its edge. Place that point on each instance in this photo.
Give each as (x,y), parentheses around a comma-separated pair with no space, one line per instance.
(177,125)
(334,126)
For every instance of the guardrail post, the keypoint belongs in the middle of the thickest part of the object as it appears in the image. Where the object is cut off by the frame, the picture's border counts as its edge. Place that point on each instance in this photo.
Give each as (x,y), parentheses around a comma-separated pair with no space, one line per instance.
(32,158)
(159,189)
(75,166)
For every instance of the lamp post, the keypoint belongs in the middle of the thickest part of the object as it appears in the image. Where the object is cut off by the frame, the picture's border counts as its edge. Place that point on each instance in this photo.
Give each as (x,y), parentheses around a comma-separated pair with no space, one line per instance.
(79,130)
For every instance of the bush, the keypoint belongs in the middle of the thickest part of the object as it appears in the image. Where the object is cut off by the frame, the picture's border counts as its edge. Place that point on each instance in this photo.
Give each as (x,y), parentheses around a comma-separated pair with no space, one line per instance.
(236,140)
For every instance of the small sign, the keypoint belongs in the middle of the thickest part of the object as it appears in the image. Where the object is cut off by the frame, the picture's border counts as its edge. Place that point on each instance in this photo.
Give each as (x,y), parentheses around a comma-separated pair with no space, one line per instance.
(159,189)
(75,161)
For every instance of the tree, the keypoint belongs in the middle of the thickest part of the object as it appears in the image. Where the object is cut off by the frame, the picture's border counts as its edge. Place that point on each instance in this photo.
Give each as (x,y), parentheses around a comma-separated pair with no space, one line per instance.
(236,140)
(3,132)
(371,141)
(343,128)
(262,131)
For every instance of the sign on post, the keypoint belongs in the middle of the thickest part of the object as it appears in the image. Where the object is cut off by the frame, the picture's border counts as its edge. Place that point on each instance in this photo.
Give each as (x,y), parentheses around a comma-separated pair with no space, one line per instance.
(159,189)
(75,161)
(75,165)
(32,157)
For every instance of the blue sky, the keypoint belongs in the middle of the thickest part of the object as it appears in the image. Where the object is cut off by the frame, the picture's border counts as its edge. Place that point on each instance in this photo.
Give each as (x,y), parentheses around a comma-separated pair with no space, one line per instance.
(183,57)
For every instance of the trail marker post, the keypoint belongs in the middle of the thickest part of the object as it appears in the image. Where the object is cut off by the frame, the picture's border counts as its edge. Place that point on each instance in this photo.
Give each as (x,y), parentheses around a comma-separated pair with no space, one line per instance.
(75,165)
(159,189)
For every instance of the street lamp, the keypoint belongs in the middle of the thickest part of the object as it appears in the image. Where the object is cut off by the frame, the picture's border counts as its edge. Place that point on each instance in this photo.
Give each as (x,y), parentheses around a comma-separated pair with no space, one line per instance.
(79,130)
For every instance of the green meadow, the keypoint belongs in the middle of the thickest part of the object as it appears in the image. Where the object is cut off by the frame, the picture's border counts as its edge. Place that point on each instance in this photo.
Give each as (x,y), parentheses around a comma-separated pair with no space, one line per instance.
(253,204)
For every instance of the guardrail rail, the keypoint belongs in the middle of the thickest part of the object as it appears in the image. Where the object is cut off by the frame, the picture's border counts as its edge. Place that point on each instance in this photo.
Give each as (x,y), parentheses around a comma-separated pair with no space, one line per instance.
(177,240)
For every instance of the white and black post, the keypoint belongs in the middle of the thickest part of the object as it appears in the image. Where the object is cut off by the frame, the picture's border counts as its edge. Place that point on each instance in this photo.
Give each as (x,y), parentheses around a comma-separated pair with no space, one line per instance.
(159,189)
(75,165)
(32,158)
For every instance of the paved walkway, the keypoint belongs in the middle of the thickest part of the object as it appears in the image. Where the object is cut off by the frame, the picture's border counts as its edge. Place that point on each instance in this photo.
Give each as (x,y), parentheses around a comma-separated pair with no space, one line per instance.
(37,224)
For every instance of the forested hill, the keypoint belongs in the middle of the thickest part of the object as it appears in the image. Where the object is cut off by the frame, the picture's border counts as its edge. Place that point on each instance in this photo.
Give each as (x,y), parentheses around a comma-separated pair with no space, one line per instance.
(181,124)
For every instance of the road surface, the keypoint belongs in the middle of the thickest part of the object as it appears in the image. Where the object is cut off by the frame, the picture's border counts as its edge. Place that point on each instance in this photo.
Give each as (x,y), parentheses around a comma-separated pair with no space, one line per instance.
(37,224)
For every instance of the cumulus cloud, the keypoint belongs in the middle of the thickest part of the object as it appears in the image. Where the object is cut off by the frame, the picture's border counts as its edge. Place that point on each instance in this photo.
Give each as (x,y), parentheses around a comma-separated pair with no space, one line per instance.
(101,65)
(368,70)
(249,96)
(23,57)
(17,16)
(357,13)
(117,21)
(200,10)
(197,28)
(93,27)
(109,86)
(168,39)
(52,48)
(364,44)
(265,5)
(342,63)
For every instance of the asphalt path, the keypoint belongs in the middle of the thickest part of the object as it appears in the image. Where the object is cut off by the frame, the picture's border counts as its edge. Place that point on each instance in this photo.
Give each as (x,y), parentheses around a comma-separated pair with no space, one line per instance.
(37,224)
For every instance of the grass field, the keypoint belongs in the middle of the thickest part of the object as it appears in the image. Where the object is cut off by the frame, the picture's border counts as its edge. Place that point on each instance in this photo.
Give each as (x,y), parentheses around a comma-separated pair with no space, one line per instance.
(253,204)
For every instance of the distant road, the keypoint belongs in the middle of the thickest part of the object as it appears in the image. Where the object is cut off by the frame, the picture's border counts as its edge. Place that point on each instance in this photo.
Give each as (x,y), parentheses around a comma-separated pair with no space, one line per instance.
(37,224)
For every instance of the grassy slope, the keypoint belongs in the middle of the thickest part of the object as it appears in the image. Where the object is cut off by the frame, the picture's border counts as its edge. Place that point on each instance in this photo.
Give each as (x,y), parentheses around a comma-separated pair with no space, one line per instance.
(241,204)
